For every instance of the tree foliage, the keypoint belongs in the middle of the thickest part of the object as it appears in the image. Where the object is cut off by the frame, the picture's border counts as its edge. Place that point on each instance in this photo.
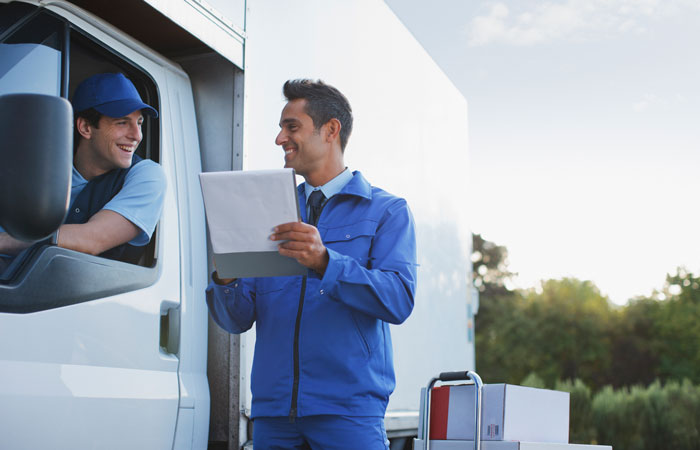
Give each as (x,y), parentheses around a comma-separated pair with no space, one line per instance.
(498,306)
(633,371)
(489,266)
(559,332)
(676,327)
(566,329)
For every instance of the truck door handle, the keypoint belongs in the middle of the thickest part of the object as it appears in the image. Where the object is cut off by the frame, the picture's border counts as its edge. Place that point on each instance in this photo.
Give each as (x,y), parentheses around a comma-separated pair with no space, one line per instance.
(170,327)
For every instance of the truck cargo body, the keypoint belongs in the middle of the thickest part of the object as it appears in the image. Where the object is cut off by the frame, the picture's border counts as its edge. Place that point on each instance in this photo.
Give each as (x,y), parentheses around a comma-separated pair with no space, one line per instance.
(99,353)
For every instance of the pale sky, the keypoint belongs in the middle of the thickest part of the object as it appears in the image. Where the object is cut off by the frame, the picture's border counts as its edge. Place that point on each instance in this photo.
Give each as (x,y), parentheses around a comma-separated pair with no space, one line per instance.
(584,132)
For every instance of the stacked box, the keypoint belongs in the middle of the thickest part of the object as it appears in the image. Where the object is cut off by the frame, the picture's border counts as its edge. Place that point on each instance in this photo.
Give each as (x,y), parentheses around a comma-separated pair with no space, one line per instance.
(509,413)
(419,444)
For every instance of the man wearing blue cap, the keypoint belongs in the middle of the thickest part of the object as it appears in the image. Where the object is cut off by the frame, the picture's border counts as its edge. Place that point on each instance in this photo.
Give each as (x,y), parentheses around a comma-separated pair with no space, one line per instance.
(116,197)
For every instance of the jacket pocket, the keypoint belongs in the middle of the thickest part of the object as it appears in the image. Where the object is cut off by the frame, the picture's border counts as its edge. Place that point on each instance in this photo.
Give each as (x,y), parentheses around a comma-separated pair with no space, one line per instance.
(276,298)
(267,285)
(353,240)
(361,335)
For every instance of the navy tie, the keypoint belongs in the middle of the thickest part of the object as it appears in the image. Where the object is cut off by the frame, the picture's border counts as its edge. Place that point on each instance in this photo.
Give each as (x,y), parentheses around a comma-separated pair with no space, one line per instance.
(316,200)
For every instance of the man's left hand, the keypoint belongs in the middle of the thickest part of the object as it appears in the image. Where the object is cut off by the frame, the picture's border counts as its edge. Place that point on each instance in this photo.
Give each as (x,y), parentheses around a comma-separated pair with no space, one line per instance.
(303,243)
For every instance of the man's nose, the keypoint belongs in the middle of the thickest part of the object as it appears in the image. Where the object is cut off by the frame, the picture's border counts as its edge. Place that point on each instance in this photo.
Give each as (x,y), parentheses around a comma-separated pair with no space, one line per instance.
(135,132)
(281,138)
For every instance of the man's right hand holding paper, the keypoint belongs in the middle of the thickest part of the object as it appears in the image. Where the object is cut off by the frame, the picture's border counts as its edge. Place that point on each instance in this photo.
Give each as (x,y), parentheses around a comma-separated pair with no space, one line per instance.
(302,242)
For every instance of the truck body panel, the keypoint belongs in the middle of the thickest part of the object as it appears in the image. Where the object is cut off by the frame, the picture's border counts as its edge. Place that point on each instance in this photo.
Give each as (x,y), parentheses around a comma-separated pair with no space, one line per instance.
(409,137)
(219,105)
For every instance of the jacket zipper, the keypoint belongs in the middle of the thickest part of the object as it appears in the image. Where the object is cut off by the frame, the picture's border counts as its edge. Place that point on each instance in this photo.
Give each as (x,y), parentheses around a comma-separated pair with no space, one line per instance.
(295,385)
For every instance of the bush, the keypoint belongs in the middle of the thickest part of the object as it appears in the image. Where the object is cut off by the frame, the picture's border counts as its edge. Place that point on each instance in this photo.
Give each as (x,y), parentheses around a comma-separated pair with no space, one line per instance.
(533,380)
(653,418)
(581,429)
(672,416)
(618,417)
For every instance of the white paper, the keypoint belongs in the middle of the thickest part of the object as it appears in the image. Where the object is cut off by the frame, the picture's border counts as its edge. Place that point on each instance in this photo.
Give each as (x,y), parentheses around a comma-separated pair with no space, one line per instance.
(243,207)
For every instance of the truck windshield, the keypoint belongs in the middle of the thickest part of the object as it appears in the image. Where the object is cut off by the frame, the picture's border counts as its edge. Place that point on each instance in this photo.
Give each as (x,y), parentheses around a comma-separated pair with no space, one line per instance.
(29,68)
(30,57)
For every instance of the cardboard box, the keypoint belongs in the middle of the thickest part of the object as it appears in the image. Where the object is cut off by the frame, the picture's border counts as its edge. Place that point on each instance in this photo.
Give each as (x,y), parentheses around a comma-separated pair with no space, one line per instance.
(509,413)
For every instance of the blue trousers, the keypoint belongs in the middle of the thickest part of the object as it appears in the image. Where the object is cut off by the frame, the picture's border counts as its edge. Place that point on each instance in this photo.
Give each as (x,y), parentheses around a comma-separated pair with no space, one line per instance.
(320,432)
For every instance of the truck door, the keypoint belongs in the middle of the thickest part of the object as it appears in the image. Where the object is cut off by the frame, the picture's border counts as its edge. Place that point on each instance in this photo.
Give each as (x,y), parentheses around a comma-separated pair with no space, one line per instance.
(88,346)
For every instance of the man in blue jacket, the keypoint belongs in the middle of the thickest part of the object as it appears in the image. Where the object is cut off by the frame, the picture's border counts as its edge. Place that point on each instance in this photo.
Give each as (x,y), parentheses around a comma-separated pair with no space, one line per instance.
(323,366)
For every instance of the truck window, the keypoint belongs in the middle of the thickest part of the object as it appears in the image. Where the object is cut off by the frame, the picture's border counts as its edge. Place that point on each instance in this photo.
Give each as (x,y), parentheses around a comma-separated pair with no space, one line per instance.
(41,53)
(30,58)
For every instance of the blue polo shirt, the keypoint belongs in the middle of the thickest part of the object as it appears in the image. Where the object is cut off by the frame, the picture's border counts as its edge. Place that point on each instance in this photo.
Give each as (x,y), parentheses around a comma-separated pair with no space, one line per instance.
(140,200)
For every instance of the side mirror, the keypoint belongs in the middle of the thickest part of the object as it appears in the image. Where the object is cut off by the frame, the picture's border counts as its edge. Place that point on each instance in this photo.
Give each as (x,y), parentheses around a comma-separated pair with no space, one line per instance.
(36,150)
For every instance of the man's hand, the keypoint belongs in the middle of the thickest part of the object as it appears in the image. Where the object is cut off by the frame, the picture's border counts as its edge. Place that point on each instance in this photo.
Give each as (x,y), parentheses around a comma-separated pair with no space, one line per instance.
(215,276)
(303,243)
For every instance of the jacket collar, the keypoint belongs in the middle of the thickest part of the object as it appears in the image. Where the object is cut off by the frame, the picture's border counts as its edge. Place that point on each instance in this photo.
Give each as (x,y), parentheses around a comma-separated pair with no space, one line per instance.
(358,186)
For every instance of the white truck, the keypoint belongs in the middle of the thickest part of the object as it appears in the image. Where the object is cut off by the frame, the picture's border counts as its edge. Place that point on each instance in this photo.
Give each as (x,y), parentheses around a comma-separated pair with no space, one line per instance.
(97,353)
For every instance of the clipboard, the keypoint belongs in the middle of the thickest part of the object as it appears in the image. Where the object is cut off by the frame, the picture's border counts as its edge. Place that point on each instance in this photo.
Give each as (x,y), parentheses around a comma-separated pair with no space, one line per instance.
(242,208)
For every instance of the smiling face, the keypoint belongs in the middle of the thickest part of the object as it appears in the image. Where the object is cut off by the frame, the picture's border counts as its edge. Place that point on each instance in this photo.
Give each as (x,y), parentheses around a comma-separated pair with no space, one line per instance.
(305,149)
(109,146)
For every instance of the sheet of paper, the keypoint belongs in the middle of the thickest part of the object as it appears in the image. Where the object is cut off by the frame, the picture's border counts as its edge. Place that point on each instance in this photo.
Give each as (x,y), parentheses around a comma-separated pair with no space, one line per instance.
(242,208)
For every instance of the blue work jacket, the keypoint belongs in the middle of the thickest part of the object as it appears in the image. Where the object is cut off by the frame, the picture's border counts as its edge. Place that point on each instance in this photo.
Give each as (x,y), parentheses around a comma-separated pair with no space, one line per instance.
(323,344)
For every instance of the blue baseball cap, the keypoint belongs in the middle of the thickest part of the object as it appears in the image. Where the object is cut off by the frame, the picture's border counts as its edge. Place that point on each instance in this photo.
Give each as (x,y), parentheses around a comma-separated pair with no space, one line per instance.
(111,94)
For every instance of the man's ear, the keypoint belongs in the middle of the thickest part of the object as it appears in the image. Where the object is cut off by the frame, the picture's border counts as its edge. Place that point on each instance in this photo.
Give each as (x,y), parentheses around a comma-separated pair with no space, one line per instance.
(332,130)
(83,127)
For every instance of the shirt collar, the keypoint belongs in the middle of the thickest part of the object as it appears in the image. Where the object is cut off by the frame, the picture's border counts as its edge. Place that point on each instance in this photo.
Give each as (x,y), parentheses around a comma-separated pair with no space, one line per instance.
(332,187)
(78,178)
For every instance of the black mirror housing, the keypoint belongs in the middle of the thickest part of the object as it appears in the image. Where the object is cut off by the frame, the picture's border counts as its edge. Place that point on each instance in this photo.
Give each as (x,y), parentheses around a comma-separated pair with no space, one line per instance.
(36,154)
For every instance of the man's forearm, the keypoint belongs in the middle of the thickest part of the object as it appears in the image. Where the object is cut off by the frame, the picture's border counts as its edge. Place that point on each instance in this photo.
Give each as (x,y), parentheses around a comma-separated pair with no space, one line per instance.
(10,245)
(105,230)
(385,292)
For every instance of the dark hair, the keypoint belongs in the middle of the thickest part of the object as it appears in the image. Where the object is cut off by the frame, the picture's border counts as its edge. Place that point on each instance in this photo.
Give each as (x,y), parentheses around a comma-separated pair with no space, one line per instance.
(323,103)
(93,118)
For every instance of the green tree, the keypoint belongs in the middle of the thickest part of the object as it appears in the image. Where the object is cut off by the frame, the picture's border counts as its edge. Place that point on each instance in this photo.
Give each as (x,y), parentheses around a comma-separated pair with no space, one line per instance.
(490,267)
(499,309)
(567,329)
(677,328)
(635,344)
(557,332)
(570,339)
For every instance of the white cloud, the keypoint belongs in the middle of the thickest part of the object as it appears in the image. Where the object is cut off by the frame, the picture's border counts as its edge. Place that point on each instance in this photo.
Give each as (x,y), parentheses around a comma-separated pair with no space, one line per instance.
(533,23)
(652,101)
(644,103)
(491,27)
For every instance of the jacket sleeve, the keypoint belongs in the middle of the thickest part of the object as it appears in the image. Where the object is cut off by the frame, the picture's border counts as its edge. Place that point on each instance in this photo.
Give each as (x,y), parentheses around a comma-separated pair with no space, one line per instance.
(232,306)
(385,288)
